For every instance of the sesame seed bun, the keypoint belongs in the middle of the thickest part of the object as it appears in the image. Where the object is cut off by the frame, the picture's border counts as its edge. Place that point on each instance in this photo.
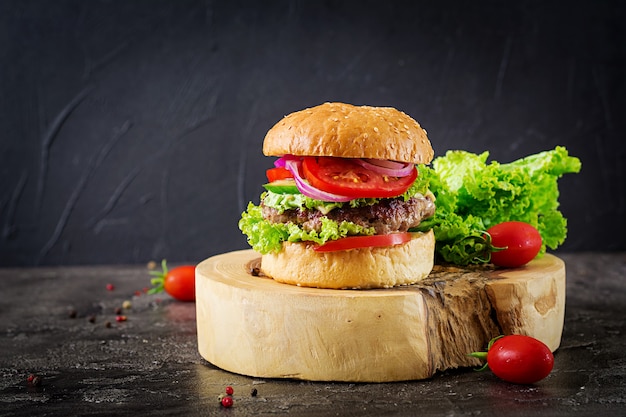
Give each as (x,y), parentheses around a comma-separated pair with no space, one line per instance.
(347,131)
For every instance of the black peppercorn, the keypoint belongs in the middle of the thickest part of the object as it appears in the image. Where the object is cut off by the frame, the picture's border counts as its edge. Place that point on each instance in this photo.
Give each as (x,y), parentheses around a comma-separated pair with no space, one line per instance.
(253,392)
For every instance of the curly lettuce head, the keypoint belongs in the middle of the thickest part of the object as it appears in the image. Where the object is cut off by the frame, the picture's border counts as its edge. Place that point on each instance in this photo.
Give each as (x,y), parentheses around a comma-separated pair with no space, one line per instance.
(473,195)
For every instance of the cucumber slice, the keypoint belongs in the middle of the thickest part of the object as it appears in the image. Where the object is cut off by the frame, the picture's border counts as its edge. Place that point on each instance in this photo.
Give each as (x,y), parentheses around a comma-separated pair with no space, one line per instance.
(282,187)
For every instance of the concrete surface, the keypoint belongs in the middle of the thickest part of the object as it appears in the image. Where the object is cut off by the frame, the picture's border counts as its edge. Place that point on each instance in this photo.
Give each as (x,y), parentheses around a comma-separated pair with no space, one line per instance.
(149,365)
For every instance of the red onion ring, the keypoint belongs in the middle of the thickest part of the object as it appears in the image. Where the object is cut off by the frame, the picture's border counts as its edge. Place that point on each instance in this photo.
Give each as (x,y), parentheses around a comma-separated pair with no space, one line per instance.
(293,165)
(390,168)
(280,162)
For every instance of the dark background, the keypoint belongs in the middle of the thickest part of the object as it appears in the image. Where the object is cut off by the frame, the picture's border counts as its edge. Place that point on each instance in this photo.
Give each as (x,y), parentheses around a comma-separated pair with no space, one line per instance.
(132,130)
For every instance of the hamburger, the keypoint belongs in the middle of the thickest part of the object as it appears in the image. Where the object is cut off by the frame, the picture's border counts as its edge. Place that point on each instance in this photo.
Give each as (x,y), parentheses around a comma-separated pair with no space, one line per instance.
(342,199)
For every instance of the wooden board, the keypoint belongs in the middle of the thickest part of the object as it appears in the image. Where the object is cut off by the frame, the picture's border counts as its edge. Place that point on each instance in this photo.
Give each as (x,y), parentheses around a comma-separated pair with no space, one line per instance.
(255,326)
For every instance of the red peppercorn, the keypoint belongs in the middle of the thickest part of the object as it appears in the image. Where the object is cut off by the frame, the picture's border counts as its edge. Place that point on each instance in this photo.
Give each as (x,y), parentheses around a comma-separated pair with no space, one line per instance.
(227,402)
(33,380)
(110,287)
(229,390)
(120,318)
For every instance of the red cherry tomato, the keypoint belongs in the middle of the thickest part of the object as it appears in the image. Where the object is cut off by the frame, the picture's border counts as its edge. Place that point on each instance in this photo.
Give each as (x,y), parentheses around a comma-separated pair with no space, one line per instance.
(521,241)
(520,359)
(354,242)
(180,283)
(275,174)
(342,176)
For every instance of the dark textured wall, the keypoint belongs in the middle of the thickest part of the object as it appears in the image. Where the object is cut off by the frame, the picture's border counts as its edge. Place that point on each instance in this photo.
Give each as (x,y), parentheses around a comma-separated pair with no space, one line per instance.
(132,130)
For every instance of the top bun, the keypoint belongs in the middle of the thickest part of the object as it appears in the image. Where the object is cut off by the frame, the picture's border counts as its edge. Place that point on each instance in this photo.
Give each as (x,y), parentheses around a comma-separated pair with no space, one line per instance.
(347,131)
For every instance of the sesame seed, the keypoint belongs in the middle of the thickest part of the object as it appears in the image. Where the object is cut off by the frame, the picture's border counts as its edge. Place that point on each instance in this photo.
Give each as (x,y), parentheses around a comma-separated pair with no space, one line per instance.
(375,129)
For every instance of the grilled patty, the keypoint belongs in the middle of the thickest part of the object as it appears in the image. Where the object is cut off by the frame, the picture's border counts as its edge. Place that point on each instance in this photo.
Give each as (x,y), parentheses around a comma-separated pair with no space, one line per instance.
(386,216)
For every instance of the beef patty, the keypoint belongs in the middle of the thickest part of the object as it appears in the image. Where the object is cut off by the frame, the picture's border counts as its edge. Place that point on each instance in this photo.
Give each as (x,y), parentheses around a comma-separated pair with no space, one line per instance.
(386,216)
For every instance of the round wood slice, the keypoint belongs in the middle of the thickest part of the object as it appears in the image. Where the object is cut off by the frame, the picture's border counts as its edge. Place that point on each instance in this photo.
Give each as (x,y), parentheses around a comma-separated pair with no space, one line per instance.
(255,326)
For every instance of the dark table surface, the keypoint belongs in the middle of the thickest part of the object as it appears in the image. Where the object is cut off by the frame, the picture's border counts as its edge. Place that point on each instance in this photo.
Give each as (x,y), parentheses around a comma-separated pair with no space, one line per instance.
(92,364)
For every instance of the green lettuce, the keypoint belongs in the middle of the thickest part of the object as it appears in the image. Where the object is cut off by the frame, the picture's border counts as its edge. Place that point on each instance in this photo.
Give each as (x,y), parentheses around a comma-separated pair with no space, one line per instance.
(266,237)
(473,195)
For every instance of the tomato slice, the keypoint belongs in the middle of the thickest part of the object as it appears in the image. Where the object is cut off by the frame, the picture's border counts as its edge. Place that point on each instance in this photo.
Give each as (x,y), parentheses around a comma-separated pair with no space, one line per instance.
(345,177)
(275,174)
(355,242)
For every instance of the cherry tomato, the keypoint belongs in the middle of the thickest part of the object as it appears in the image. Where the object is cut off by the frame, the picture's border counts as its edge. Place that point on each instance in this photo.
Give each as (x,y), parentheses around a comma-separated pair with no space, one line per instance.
(342,176)
(354,242)
(179,282)
(521,241)
(520,359)
(275,174)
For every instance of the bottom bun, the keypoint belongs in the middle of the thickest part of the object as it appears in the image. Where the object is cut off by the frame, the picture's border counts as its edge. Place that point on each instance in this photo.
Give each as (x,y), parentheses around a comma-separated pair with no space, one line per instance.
(380,267)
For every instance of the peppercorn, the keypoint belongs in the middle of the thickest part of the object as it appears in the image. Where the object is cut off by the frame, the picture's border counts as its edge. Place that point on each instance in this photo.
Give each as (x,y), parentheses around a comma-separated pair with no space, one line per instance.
(92,319)
(126,305)
(229,390)
(253,392)
(107,324)
(110,287)
(120,318)
(255,272)
(72,313)
(33,380)
(118,310)
(227,402)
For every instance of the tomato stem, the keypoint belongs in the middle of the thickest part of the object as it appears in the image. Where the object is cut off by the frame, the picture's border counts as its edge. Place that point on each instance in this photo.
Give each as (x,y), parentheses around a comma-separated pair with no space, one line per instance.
(476,248)
(483,355)
(492,341)
(479,355)
(158,282)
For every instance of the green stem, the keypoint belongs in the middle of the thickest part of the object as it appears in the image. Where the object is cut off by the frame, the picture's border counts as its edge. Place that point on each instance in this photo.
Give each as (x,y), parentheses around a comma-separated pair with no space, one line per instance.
(158,282)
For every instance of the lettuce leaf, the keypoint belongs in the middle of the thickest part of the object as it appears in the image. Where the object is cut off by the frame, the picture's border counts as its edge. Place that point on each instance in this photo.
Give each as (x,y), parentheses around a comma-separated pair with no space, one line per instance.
(266,237)
(473,195)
